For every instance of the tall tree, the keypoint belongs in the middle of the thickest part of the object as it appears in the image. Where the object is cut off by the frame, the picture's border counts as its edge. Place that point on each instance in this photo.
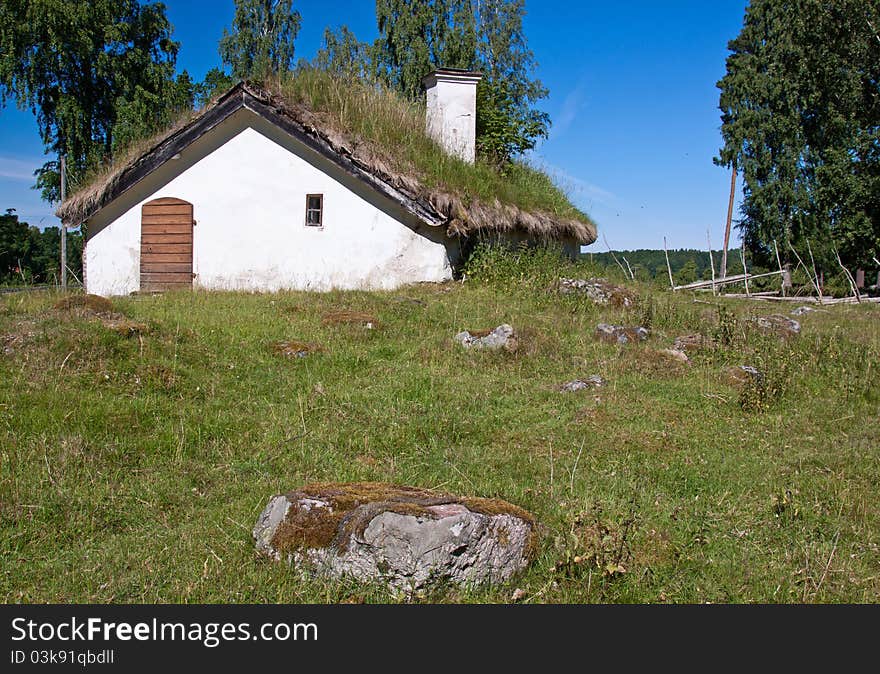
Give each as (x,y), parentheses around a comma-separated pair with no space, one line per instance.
(417,36)
(76,65)
(800,109)
(15,246)
(508,123)
(343,54)
(261,43)
(150,111)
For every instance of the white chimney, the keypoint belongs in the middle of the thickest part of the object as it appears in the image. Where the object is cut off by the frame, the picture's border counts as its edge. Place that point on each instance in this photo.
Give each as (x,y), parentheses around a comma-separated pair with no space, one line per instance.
(452,110)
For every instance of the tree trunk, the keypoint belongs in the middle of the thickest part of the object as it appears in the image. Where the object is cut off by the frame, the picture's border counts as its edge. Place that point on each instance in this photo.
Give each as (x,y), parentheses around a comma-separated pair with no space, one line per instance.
(729,219)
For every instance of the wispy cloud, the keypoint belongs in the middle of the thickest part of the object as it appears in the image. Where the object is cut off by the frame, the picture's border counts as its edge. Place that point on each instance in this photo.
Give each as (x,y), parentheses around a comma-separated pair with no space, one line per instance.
(18,168)
(571,107)
(577,188)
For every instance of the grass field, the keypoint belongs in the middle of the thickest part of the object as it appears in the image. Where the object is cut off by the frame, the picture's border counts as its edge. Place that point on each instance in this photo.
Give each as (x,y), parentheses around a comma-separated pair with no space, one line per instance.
(136,458)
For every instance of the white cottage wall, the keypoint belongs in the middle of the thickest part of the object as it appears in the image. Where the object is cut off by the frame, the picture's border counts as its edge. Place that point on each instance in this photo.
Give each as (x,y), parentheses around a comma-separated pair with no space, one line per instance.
(248,181)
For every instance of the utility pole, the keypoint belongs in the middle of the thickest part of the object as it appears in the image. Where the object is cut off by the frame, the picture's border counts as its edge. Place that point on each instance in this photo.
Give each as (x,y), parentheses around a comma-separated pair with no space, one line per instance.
(63,227)
(729,218)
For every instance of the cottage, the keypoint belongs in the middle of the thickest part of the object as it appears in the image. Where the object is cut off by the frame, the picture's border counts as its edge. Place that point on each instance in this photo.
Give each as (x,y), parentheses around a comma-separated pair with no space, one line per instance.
(256,193)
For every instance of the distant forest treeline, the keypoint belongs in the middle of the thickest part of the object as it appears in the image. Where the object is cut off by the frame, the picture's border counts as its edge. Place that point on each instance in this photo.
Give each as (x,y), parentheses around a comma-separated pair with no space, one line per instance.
(30,256)
(687,264)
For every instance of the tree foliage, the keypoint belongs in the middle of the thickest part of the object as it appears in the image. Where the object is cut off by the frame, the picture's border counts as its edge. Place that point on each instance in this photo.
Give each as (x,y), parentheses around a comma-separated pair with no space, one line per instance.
(28,255)
(417,36)
(344,55)
(216,81)
(800,106)
(261,43)
(90,71)
(508,124)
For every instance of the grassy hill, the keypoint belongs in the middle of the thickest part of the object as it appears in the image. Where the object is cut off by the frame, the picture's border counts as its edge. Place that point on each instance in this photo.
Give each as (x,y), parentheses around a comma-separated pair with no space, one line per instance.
(139,447)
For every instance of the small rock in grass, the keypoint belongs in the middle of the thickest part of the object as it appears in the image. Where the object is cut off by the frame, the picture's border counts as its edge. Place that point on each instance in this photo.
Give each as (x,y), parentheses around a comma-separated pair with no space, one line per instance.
(125,327)
(740,375)
(14,341)
(800,311)
(691,343)
(295,349)
(409,300)
(620,334)
(676,355)
(502,337)
(86,304)
(405,537)
(599,290)
(777,324)
(593,381)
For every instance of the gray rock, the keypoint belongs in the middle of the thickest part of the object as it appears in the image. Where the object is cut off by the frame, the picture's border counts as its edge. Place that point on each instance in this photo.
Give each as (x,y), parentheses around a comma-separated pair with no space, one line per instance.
(621,334)
(402,536)
(598,290)
(502,337)
(779,325)
(740,375)
(800,311)
(694,342)
(751,371)
(676,354)
(593,381)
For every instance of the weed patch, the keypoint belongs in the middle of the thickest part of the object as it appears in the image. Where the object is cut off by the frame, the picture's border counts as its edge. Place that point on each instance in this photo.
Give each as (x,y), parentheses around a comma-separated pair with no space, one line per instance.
(356,318)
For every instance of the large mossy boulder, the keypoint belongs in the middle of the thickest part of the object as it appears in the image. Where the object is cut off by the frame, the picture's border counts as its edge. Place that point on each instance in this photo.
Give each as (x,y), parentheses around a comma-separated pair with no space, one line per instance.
(405,537)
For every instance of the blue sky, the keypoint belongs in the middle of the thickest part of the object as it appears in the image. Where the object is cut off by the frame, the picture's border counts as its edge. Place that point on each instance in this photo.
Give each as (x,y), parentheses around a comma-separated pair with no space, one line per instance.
(632,99)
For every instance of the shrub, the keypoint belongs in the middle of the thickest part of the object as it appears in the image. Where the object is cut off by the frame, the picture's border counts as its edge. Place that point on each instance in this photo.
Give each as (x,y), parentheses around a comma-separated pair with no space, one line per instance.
(498,263)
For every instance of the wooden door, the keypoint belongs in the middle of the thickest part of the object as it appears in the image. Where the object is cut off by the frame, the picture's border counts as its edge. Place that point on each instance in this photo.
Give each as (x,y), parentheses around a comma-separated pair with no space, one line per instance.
(166,245)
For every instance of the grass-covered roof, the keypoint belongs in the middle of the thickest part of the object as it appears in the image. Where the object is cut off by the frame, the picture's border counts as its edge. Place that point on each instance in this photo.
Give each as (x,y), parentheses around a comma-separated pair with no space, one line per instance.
(376,135)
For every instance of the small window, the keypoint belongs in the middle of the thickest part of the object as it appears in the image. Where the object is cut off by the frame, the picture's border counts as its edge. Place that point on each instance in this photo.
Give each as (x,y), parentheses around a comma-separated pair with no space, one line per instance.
(314,210)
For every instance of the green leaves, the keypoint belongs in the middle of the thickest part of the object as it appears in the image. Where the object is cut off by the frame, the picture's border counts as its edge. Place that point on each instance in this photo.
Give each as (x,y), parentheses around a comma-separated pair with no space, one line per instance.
(506,125)
(29,255)
(77,64)
(418,36)
(800,109)
(344,55)
(261,43)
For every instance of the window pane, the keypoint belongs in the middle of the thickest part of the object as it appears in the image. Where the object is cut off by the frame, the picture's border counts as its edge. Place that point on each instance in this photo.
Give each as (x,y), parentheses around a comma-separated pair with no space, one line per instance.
(314,206)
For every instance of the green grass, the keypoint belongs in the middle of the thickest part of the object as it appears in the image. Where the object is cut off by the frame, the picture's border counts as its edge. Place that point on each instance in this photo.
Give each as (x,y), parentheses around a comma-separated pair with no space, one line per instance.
(133,468)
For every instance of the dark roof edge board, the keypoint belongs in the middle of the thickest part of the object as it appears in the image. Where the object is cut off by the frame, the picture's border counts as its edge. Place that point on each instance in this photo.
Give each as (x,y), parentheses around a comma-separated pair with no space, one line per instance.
(454,71)
(241,96)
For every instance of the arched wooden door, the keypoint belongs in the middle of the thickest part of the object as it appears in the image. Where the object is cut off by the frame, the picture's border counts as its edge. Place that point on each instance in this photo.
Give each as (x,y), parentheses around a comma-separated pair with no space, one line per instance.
(166,245)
